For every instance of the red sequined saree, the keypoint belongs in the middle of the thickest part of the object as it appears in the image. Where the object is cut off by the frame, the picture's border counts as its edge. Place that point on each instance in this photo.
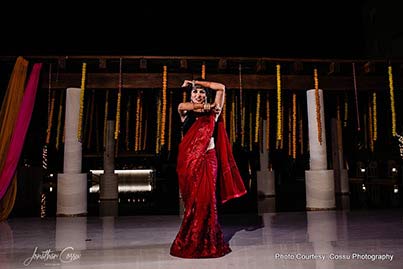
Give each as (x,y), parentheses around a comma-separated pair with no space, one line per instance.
(200,235)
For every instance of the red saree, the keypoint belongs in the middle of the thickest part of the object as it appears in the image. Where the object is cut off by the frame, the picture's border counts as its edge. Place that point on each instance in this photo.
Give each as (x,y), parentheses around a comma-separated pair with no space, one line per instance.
(200,235)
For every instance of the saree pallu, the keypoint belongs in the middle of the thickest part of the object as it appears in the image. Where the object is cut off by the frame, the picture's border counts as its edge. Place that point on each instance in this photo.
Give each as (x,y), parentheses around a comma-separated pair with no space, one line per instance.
(200,235)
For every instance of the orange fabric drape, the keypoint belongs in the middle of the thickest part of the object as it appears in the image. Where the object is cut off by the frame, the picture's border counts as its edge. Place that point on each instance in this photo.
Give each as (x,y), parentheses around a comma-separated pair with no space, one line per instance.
(11,105)
(8,116)
(8,201)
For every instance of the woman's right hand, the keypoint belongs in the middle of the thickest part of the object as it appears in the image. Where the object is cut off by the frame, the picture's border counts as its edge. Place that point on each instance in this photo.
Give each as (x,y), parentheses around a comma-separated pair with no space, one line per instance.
(186,83)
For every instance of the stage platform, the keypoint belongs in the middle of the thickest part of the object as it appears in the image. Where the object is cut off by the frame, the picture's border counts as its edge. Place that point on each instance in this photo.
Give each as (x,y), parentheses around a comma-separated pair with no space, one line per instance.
(369,239)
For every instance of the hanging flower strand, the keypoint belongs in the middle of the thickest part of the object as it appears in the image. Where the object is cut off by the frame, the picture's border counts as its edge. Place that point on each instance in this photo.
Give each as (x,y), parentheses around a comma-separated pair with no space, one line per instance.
(267,122)
(59,121)
(241,106)
(50,118)
(392,100)
(356,99)
(279,118)
(117,123)
(80,118)
(375,125)
(317,102)
(203,71)
(257,119)
(164,103)
(370,126)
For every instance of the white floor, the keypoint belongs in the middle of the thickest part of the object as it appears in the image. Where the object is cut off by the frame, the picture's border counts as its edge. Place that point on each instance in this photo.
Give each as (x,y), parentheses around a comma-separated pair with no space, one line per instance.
(321,239)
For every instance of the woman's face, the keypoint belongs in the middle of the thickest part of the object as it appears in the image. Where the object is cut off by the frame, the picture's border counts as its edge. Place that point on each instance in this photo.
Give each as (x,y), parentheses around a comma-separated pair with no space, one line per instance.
(198,95)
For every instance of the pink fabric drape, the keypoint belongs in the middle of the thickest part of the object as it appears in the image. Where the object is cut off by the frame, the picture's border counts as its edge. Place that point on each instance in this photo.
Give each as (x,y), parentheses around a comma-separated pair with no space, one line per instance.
(20,130)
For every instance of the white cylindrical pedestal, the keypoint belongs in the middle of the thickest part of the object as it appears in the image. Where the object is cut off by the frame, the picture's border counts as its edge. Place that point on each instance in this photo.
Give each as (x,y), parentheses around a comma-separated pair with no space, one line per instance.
(265,183)
(72,184)
(265,177)
(71,194)
(319,189)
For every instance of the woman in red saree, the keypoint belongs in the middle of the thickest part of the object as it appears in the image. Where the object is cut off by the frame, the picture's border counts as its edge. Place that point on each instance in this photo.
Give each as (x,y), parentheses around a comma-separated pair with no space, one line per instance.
(204,156)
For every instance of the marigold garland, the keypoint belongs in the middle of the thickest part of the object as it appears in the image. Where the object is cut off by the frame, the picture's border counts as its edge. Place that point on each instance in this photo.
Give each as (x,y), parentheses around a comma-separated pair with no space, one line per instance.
(233,122)
(370,126)
(289,131)
(301,131)
(127,125)
(141,121)
(257,119)
(294,126)
(50,118)
(224,112)
(392,100)
(170,122)
(203,71)
(157,139)
(137,136)
(164,104)
(59,121)
(267,122)
(117,122)
(241,106)
(250,131)
(80,118)
(400,140)
(345,110)
(184,96)
(375,125)
(243,127)
(281,142)
(236,120)
(279,116)
(318,108)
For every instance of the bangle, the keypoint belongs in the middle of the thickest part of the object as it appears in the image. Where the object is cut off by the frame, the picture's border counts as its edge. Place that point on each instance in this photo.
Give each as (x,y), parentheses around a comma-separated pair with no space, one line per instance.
(207,106)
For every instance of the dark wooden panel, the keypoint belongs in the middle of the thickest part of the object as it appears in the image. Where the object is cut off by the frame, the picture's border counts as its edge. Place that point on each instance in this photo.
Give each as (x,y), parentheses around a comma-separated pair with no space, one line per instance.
(249,81)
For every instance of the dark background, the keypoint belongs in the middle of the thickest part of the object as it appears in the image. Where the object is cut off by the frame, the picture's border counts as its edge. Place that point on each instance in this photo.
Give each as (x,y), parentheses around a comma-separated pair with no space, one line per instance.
(327,29)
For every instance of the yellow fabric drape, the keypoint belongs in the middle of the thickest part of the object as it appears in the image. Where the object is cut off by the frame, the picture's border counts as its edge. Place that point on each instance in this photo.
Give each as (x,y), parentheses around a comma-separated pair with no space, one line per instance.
(8,116)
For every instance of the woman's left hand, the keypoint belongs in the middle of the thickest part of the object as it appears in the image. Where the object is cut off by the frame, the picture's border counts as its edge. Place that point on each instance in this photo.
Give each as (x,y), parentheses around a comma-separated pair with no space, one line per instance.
(216,109)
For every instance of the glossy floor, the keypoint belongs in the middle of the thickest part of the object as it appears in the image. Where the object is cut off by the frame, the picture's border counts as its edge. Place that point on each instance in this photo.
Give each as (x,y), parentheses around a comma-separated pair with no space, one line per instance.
(314,239)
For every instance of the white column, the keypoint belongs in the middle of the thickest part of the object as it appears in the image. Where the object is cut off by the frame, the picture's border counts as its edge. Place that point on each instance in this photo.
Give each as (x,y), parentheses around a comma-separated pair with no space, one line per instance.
(265,177)
(319,181)
(265,181)
(72,184)
(108,188)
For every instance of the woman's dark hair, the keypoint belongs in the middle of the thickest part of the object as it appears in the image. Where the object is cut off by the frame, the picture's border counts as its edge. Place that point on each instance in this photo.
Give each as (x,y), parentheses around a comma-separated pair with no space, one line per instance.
(208,90)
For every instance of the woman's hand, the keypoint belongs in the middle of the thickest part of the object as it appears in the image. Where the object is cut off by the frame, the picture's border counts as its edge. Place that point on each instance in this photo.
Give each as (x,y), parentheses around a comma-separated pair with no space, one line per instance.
(215,108)
(187,83)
